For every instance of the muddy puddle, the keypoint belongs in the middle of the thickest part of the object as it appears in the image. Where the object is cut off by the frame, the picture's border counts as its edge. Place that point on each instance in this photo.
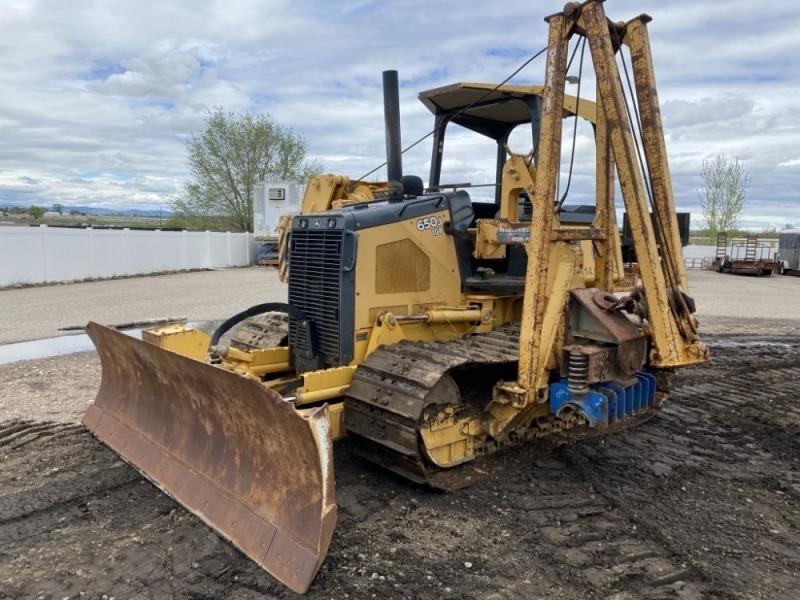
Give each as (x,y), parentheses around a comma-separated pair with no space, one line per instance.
(71,343)
(57,346)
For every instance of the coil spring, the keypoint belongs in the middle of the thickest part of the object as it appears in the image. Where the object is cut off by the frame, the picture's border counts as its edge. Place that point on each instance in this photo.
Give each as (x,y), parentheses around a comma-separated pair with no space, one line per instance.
(578,373)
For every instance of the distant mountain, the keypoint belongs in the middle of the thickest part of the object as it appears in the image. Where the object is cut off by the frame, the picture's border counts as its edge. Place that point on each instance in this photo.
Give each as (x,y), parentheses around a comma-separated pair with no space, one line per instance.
(126,212)
(93,210)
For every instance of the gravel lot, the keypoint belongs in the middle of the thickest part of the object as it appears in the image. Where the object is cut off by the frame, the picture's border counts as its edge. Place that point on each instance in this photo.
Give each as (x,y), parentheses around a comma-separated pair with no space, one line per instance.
(699,502)
(32,313)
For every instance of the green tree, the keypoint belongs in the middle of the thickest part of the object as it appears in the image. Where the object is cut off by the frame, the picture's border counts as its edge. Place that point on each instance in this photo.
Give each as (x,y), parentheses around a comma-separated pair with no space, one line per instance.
(723,195)
(59,208)
(227,158)
(37,212)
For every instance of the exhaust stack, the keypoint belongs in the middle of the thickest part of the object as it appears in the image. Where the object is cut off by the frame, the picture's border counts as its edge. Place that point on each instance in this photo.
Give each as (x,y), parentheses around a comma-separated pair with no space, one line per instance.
(391,115)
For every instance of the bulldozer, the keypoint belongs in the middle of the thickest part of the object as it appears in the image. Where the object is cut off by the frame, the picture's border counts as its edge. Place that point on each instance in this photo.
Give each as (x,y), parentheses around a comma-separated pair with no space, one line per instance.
(440,336)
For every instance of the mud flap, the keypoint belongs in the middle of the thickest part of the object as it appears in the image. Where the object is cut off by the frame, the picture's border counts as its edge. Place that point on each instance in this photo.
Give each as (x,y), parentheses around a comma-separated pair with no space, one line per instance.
(231,451)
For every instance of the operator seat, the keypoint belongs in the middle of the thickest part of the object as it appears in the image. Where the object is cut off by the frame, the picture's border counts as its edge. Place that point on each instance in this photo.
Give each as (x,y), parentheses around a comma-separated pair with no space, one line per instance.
(462,217)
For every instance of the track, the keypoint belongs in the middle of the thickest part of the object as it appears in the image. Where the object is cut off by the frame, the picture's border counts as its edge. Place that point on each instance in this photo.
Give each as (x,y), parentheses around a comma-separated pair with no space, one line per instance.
(400,391)
(394,385)
(699,502)
(269,330)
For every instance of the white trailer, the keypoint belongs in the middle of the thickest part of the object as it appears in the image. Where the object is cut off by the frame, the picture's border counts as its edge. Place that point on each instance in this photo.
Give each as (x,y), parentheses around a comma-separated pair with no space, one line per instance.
(788,256)
(272,200)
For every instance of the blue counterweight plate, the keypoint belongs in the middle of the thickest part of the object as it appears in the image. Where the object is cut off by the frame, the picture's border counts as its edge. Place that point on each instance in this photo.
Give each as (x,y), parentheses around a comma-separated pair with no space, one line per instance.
(622,410)
(621,402)
(635,393)
(613,404)
(648,382)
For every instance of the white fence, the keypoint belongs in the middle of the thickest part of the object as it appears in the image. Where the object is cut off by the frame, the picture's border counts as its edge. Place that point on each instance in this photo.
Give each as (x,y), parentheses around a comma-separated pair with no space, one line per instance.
(30,255)
(51,254)
(699,252)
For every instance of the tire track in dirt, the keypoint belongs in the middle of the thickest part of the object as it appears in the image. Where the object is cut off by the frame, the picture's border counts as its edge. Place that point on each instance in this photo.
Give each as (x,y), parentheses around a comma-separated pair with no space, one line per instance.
(594,542)
(78,522)
(699,502)
(16,434)
(715,476)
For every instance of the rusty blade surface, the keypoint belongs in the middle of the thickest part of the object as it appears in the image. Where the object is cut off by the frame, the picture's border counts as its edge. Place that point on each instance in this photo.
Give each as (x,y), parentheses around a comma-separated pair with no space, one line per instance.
(228,449)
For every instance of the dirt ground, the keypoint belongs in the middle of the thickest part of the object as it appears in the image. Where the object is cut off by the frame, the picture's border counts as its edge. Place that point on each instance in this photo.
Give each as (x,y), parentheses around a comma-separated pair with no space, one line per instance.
(699,502)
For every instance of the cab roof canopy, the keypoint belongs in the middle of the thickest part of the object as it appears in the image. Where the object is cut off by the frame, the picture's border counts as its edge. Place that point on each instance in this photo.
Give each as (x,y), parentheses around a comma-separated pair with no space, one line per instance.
(493,110)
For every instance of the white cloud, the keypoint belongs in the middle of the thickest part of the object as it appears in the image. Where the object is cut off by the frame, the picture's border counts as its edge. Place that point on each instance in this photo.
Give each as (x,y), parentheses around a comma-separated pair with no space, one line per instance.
(152,75)
(99,97)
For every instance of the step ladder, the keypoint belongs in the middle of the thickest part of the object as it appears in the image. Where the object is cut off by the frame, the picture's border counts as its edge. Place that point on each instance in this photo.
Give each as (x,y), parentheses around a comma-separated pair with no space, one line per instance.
(750,246)
(722,245)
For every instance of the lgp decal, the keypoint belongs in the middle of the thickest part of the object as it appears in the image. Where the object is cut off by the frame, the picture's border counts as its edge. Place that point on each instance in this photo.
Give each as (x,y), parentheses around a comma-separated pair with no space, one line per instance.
(434,224)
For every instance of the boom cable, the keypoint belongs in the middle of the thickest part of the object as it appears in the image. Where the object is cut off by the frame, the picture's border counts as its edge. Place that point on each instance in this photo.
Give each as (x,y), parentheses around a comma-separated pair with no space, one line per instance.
(648,184)
(582,45)
(462,111)
(677,302)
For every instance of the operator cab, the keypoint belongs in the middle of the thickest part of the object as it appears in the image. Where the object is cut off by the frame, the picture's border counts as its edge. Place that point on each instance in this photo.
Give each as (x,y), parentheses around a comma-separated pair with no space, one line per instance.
(503,116)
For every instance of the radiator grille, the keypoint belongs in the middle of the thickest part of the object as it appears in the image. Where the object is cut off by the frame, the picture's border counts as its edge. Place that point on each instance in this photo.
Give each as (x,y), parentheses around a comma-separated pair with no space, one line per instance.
(315,287)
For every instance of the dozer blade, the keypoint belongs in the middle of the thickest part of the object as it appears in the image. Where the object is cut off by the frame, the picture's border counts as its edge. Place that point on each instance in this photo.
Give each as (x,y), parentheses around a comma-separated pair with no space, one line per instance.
(228,449)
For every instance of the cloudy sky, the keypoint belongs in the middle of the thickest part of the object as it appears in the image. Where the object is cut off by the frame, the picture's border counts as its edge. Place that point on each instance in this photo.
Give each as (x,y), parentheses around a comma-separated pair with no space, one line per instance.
(99,96)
